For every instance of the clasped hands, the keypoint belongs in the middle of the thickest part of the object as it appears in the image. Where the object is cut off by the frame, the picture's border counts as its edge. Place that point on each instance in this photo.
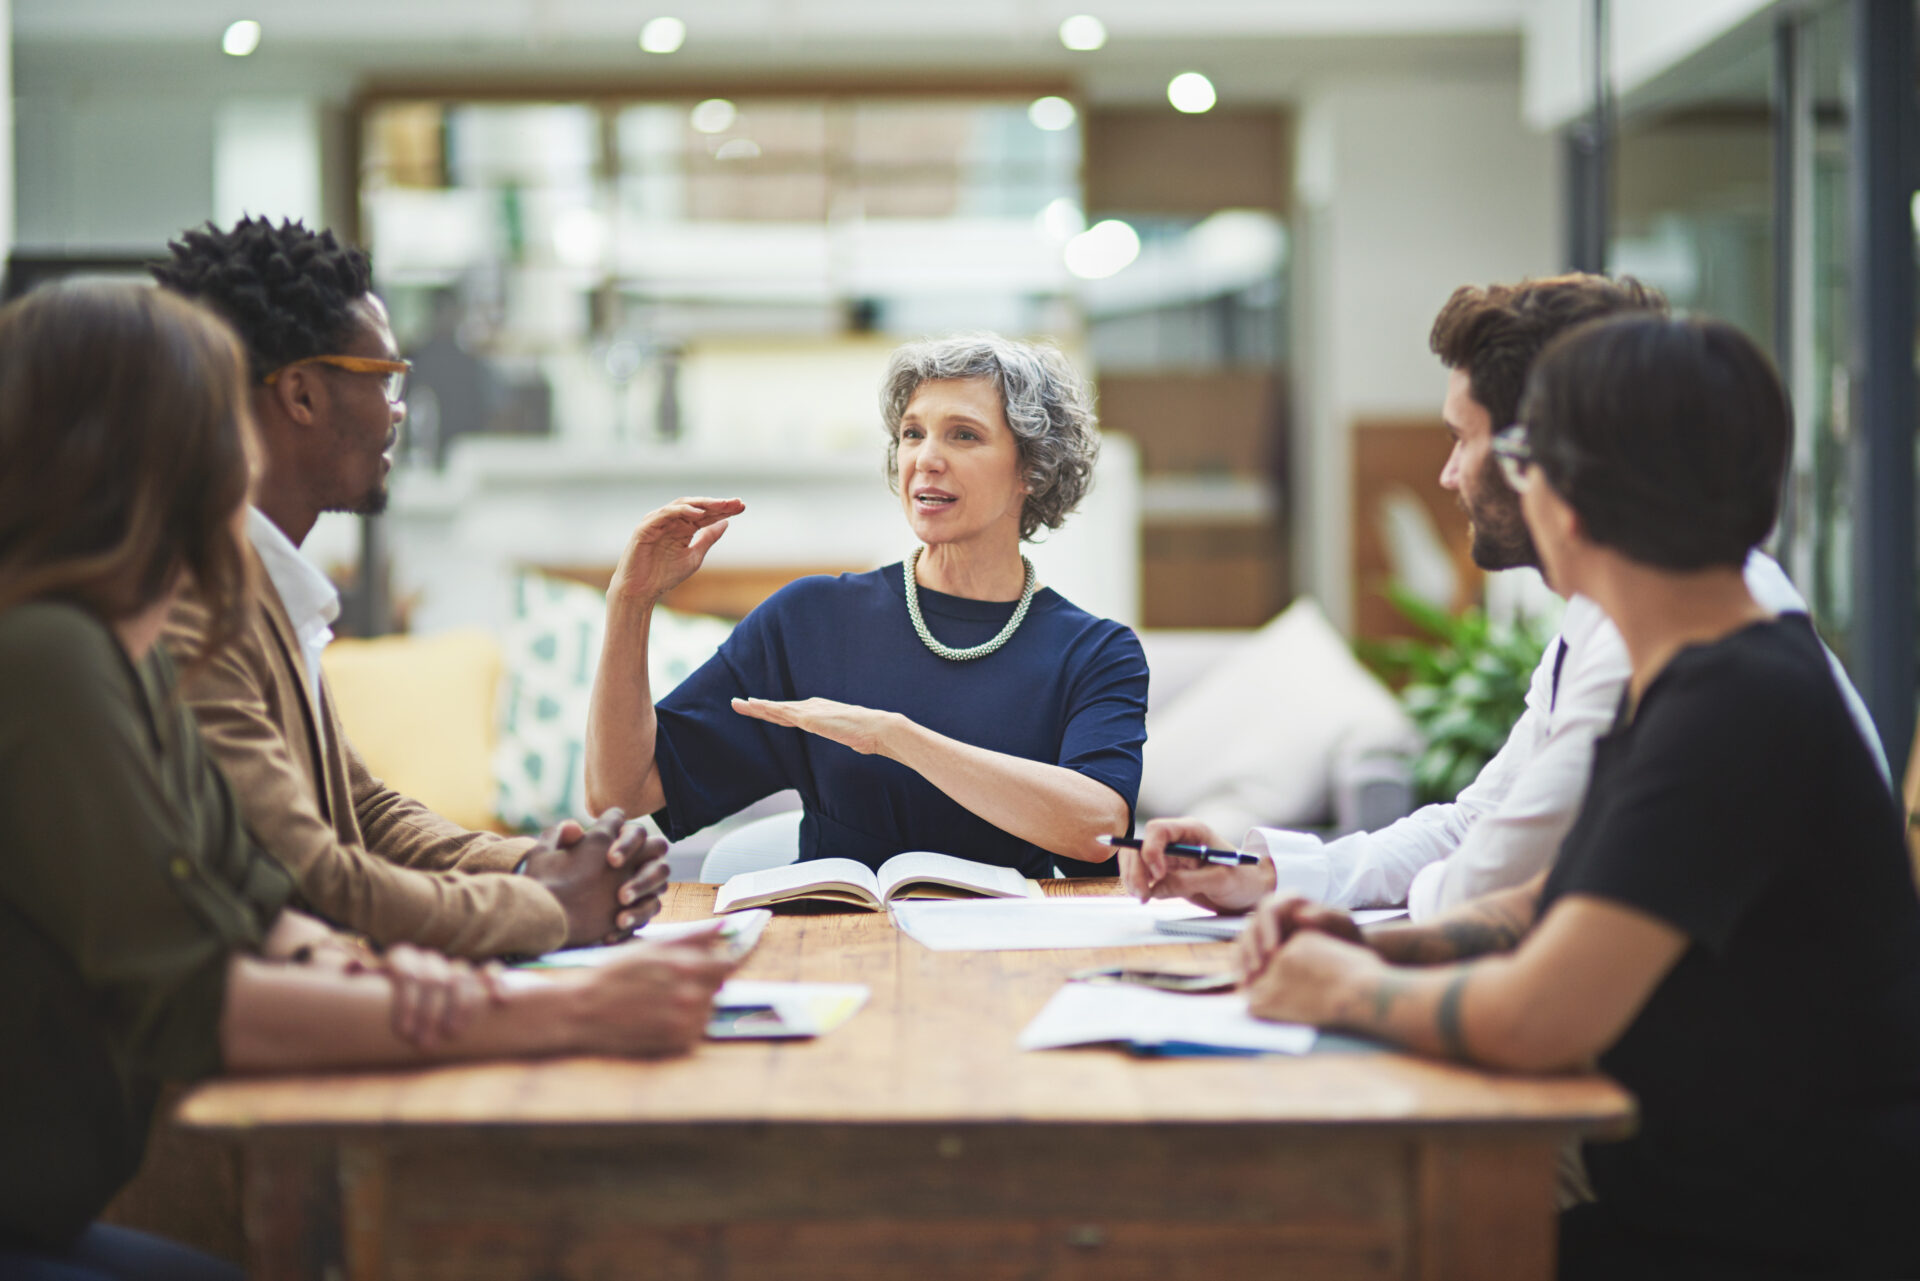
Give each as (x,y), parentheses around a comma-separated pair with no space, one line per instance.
(608,877)
(1295,959)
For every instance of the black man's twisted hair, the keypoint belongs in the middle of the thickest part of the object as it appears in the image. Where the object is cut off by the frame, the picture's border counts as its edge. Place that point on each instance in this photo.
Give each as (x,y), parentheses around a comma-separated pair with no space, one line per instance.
(288,291)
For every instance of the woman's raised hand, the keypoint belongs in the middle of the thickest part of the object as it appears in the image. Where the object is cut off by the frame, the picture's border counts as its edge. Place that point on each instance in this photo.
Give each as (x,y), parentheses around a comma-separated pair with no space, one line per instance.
(669,546)
(861,728)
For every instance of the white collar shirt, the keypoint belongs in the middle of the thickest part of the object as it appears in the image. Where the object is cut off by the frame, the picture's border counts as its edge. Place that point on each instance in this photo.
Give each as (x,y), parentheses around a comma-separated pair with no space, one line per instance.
(311,601)
(1508,823)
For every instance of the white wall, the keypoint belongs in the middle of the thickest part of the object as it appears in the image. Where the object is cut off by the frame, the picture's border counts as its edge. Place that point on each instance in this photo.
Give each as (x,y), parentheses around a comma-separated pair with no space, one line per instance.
(1407,189)
(6,129)
(1645,39)
(119,149)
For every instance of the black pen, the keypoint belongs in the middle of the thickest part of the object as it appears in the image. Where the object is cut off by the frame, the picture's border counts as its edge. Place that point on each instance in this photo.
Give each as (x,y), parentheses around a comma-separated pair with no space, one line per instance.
(1226,858)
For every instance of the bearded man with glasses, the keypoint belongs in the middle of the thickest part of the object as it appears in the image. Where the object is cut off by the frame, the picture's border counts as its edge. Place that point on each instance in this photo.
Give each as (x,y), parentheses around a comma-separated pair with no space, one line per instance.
(1506,826)
(327,406)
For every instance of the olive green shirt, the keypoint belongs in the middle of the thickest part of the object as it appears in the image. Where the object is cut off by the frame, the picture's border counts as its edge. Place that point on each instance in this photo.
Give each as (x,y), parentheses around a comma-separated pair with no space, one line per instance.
(129,881)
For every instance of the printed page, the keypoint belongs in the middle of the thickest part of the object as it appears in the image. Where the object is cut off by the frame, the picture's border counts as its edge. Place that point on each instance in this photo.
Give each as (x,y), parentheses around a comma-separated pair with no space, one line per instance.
(945,869)
(1123,1013)
(1003,925)
(750,889)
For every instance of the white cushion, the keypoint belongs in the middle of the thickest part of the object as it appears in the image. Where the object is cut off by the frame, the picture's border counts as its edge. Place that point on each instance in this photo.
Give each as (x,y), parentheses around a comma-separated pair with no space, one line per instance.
(551,649)
(1256,739)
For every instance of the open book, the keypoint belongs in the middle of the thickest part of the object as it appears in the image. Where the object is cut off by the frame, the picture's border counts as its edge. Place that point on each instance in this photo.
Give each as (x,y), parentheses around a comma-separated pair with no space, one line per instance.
(917,874)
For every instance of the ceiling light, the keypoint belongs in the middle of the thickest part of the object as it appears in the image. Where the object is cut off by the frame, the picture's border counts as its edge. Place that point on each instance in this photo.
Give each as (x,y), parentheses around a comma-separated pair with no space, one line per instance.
(241,39)
(1083,33)
(1102,249)
(713,115)
(579,237)
(738,149)
(663,35)
(1061,220)
(1191,92)
(1050,113)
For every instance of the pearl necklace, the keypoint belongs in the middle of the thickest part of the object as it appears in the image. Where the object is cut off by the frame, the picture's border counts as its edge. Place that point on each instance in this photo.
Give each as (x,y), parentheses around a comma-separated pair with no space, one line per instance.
(977,651)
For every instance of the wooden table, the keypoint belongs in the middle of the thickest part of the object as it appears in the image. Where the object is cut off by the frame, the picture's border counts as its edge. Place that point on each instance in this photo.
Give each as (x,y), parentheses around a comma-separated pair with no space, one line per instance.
(913,1142)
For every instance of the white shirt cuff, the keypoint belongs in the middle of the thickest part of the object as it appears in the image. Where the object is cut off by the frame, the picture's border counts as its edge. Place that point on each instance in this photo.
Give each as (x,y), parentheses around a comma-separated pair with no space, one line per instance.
(1300,863)
(1423,896)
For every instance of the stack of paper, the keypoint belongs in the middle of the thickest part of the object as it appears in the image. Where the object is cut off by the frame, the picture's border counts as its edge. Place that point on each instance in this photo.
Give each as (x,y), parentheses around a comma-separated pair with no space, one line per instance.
(1002,925)
(1229,927)
(1162,1022)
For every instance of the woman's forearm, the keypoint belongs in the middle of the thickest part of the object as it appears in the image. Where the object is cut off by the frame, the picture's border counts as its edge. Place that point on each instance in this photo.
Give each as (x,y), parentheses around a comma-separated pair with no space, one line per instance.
(1056,808)
(621,726)
(1495,922)
(1455,1012)
(282,1018)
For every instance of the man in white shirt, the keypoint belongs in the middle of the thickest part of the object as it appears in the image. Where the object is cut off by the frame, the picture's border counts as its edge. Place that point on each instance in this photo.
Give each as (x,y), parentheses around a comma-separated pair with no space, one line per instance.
(1508,823)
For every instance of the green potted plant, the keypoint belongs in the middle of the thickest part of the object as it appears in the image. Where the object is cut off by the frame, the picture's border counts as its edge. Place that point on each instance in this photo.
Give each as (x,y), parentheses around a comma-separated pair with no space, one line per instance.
(1463,688)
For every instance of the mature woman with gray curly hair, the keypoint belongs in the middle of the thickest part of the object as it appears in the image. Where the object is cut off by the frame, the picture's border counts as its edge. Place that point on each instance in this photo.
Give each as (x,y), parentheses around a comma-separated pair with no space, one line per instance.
(948,702)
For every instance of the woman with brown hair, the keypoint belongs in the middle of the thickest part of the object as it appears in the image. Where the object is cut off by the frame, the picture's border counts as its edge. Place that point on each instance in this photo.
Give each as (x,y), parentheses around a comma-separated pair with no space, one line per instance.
(144,937)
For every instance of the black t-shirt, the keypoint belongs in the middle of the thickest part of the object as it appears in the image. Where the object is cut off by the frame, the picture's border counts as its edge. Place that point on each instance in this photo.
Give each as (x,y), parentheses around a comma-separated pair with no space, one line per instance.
(1778,1064)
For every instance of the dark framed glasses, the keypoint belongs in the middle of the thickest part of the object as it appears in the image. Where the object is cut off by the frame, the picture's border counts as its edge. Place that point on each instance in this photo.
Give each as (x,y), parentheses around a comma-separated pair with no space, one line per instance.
(1514,452)
(393,373)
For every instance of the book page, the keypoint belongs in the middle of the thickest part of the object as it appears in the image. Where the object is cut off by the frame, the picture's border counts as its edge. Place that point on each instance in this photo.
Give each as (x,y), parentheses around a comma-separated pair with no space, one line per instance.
(945,869)
(773,884)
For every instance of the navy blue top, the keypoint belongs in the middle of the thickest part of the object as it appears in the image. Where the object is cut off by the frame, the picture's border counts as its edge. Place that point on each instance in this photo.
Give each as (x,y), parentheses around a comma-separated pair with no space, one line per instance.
(1068,688)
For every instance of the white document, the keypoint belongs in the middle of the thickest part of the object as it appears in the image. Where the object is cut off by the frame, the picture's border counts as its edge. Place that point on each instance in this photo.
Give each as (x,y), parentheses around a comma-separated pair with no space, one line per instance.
(741,931)
(1007,925)
(1222,928)
(1140,1017)
(749,1010)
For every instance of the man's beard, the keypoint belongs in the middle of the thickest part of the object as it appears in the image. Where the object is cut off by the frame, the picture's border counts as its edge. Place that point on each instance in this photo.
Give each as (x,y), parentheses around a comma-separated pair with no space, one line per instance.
(1500,537)
(371,503)
(374,502)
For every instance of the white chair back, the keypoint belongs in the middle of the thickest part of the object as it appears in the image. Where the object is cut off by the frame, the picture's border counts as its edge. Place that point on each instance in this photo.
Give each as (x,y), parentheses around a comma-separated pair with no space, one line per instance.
(763,843)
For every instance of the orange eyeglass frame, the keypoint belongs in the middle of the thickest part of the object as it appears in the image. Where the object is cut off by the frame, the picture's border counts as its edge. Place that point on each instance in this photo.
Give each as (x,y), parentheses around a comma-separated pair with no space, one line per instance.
(395,371)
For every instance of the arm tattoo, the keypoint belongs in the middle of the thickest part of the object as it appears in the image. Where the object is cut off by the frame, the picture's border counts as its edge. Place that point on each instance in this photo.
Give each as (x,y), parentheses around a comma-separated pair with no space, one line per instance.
(1491,925)
(1490,930)
(1389,989)
(1446,1017)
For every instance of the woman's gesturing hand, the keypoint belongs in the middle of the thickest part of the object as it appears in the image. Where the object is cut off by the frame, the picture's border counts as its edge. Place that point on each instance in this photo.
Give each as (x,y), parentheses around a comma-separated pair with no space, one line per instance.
(669,546)
(861,728)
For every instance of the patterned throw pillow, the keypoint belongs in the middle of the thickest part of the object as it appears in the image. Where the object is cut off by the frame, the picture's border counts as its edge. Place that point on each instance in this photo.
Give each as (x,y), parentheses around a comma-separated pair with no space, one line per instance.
(550,650)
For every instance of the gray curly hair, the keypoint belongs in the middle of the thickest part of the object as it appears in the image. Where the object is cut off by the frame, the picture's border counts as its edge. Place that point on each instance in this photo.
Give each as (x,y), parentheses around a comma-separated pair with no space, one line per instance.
(1047,403)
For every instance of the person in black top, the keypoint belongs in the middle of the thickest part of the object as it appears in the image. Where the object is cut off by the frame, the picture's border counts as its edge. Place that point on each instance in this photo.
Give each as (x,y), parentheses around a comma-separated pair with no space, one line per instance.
(1731,928)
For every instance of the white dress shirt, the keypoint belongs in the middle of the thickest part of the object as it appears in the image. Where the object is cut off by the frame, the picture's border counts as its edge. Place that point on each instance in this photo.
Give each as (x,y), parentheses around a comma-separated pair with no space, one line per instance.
(311,601)
(1508,823)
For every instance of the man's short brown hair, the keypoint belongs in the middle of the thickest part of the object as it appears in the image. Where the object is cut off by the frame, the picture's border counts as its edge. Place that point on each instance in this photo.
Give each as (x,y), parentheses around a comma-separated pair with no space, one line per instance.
(1494,333)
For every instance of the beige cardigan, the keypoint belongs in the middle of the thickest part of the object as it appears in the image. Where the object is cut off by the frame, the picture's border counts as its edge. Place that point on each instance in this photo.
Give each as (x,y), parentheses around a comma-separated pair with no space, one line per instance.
(365,857)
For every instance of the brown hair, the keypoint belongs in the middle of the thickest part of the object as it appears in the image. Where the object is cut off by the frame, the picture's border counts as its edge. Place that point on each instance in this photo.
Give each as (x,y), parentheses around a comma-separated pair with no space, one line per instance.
(1494,333)
(123,426)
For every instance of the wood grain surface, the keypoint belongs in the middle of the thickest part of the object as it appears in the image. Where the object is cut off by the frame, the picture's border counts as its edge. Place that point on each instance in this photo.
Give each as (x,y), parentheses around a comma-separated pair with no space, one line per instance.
(934,1045)
(913,1142)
